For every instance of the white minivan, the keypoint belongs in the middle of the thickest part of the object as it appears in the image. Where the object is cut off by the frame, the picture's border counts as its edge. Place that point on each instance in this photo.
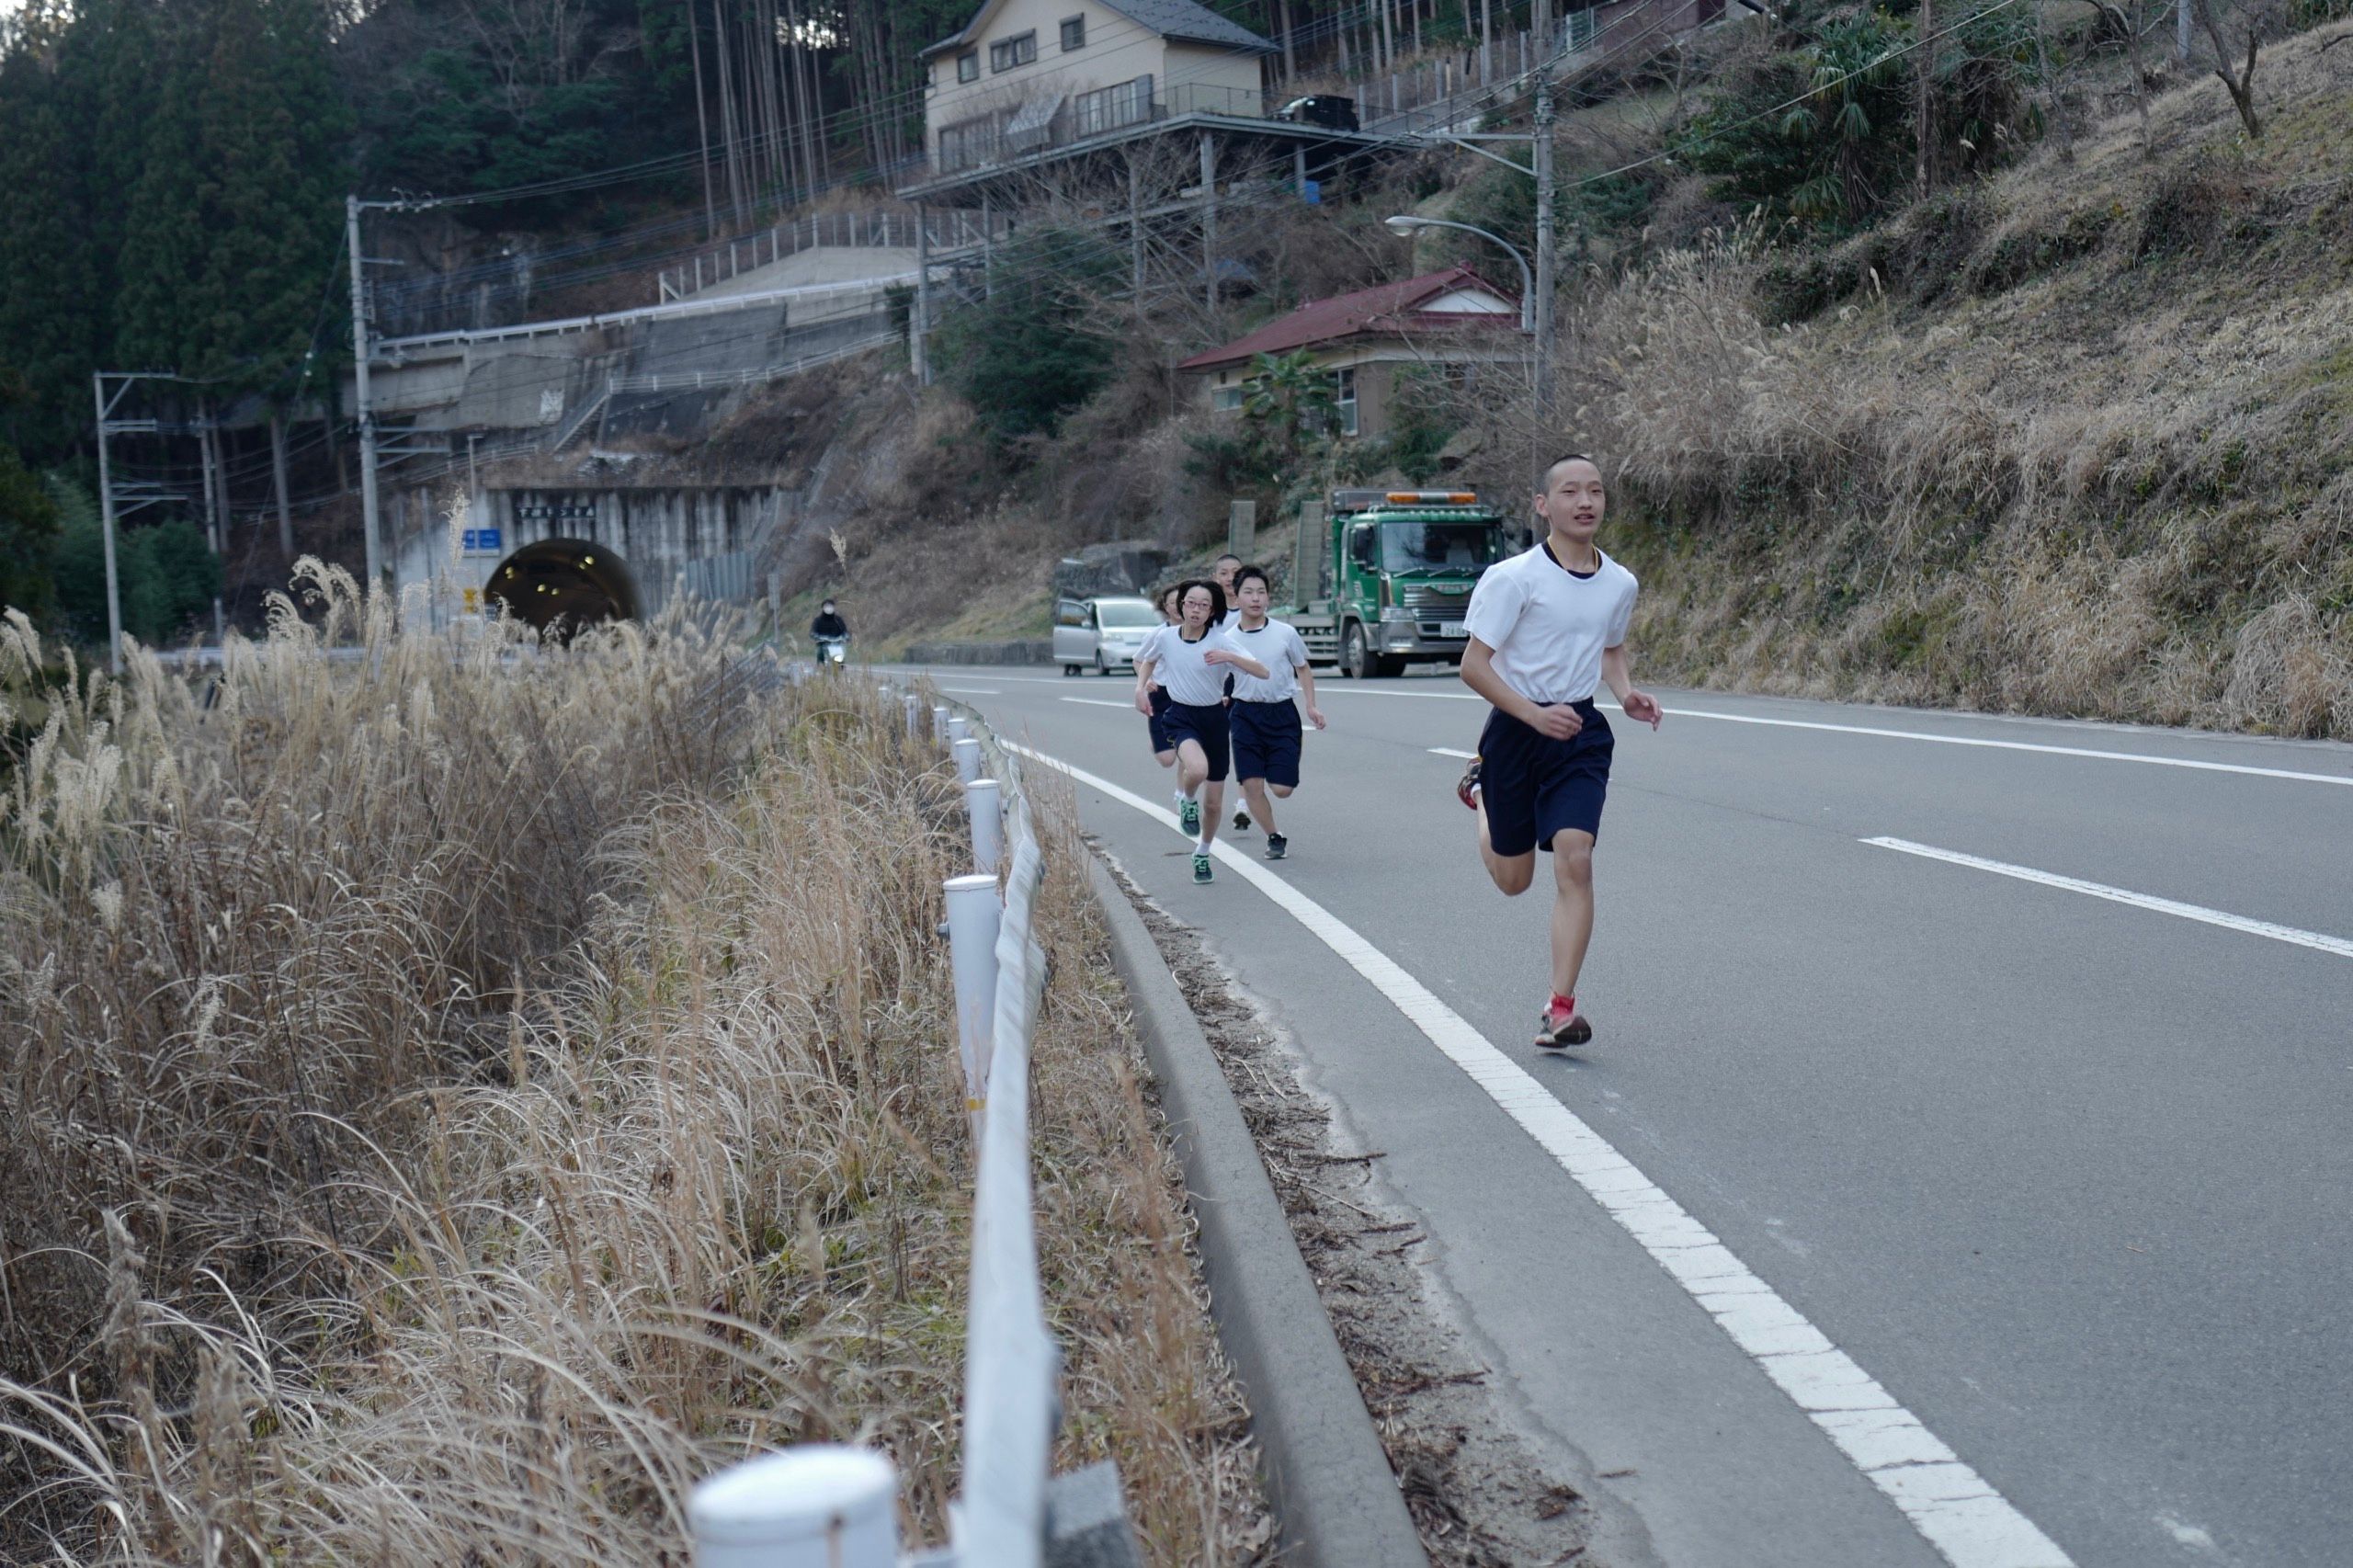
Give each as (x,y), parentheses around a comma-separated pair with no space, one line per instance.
(1104,631)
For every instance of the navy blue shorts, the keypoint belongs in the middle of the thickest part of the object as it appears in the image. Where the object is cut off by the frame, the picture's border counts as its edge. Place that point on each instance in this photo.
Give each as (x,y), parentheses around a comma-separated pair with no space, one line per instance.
(1160,740)
(1265,742)
(1534,787)
(1183,721)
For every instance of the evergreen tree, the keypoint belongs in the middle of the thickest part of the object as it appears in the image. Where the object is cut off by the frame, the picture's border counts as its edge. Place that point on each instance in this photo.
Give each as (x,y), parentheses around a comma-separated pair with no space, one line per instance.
(163,245)
(48,318)
(28,536)
(271,130)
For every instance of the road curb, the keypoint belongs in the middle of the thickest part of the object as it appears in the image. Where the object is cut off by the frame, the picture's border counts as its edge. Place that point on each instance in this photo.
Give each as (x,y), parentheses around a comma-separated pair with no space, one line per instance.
(1330,1482)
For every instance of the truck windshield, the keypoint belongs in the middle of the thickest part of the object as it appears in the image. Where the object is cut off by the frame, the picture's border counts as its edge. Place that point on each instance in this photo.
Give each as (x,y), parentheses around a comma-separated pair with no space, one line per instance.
(1122,617)
(1438,546)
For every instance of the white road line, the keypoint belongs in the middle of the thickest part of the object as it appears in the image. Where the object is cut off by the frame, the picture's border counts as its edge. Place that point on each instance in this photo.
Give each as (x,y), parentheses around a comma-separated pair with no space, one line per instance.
(1103,702)
(973,690)
(2095,753)
(1450,751)
(1949,1504)
(2317,940)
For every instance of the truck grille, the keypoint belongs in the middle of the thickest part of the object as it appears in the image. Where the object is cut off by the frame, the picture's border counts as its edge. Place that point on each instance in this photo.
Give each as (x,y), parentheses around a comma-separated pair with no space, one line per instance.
(1433,607)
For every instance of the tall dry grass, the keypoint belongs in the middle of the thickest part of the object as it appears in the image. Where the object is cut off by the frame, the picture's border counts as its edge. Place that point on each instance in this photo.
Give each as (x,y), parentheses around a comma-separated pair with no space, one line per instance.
(2077,439)
(455,1098)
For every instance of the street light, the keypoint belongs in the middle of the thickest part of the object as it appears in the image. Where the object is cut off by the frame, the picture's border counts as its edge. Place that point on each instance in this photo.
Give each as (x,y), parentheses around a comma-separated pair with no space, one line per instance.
(1404,224)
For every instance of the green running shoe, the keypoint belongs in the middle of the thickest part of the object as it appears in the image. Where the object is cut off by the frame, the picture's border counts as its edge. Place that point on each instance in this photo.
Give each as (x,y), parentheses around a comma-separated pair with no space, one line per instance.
(1188,817)
(1200,868)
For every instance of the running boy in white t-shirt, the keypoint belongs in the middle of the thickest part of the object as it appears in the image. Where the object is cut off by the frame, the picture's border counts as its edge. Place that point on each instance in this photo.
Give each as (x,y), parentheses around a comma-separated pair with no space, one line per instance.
(1265,713)
(1191,659)
(1547,628)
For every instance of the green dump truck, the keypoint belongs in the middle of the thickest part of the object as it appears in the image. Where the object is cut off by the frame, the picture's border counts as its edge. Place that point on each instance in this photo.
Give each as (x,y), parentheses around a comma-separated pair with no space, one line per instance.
(1380,578)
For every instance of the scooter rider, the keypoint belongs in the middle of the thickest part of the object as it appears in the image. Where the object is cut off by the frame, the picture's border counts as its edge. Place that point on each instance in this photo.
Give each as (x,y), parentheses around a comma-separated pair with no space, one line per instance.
(829,630)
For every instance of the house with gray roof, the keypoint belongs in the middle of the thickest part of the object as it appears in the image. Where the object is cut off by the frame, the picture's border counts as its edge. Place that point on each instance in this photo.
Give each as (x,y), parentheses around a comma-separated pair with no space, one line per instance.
(1024,76)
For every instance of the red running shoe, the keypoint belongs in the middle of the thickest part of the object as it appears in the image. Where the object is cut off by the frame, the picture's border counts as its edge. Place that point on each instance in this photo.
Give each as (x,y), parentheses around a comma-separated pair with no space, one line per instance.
(1562,1028)
(1466,788)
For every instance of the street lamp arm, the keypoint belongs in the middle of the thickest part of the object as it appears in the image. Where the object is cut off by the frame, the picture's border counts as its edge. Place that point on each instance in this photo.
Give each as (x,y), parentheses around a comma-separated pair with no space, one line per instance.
(1527,279)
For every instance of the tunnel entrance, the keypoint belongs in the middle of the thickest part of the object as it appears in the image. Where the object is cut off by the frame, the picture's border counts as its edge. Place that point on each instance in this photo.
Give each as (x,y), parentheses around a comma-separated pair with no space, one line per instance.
(559,586)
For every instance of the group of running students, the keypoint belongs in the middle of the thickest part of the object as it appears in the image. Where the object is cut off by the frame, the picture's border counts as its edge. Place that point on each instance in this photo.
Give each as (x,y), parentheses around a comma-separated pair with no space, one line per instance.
(1219,682)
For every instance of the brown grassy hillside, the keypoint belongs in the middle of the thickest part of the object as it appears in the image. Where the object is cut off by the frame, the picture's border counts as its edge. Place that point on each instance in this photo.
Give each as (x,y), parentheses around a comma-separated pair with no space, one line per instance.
(2078,440)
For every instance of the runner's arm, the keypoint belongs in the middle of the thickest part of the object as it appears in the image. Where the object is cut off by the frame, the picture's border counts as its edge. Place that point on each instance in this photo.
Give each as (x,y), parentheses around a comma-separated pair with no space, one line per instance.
(1640,705)
(1240,661)
(1307,690)
(1145,665)
(1479,674)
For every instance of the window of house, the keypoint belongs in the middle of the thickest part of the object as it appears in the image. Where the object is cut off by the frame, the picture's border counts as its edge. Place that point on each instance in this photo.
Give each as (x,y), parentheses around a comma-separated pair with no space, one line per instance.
(1107,109)
(968,65)
(1007,53)
(1344,399)
(1226,400)
(1074,33)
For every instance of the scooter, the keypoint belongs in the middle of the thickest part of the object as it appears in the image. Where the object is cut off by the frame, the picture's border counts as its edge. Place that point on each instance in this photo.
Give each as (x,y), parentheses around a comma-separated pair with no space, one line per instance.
(833,650)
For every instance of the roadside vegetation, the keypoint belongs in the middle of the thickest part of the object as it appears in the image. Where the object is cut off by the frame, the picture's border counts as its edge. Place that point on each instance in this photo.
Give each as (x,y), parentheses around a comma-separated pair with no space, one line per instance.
(2072,433)
(453,1097)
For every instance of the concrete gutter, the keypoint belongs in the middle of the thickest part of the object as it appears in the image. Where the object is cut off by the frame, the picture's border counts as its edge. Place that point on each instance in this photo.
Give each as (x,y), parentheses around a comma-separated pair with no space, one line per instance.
(1332,1491)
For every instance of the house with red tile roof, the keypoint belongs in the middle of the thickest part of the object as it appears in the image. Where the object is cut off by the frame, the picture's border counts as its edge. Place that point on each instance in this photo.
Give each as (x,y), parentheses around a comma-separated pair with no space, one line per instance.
(1454,322)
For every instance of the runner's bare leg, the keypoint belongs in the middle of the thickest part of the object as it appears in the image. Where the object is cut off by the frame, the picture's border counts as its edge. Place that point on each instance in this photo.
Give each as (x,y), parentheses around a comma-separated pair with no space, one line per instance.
(1571,906)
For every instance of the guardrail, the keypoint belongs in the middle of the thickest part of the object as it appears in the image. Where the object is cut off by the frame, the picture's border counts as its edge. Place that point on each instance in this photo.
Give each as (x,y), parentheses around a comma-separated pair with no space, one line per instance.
(831,1506)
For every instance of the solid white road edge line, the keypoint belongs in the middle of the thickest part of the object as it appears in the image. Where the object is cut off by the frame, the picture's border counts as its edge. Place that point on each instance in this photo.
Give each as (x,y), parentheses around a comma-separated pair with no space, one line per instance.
(973,690)
(2095,753)
(1450,751)
(1949,1504)
(1098,702)
(2317,940)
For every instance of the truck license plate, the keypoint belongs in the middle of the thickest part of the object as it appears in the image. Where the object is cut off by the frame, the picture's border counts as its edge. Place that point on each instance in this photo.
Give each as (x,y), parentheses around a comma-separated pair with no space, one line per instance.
(1449,628)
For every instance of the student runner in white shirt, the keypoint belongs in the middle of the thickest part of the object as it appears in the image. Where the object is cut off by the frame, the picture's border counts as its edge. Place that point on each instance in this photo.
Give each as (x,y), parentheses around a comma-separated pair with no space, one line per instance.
(1164,750)
(1264,713)
(1547,628)
(1191,659)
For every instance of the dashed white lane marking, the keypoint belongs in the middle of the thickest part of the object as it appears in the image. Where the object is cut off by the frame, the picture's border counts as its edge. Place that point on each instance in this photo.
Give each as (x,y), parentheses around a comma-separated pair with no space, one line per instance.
(1103,702)
(1949,1504)
(1450,751)
(2095,753)
(2320,941)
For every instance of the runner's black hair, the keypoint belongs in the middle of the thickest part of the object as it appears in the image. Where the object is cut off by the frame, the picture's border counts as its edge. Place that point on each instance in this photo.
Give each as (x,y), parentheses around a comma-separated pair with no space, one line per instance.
(1546,488)
(1249,571)
(1229,555)
(1217,599)
(1160,600)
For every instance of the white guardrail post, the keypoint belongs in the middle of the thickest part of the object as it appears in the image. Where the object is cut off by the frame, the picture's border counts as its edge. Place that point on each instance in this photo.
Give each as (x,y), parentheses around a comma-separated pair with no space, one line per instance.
(956,728)
(822,1505)
(974,918)
(914,717)
(818,1505)
(988,824)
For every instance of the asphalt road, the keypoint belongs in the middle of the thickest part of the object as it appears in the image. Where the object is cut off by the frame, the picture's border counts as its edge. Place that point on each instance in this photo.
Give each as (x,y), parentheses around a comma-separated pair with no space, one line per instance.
(2066,1173)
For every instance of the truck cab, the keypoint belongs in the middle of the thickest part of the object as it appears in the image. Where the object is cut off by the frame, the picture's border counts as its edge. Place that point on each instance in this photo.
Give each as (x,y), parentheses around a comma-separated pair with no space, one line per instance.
(1382,578)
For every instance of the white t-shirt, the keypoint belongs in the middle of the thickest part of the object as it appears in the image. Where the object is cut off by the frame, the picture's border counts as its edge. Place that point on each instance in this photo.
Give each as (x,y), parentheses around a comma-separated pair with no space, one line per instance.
(1181,667)
(1278,646)
(1548,627)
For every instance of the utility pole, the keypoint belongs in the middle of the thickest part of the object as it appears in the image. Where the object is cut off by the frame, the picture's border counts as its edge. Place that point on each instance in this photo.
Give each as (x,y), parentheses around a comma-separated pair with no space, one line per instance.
(1925,131)
(1541,371)
(2182,29)
(1209,222)
(106,514)
(920,324)
(361,411)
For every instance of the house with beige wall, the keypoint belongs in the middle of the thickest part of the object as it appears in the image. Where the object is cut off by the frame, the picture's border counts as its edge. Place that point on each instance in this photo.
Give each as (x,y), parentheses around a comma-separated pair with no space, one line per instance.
(1453,324)
(1024,76)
